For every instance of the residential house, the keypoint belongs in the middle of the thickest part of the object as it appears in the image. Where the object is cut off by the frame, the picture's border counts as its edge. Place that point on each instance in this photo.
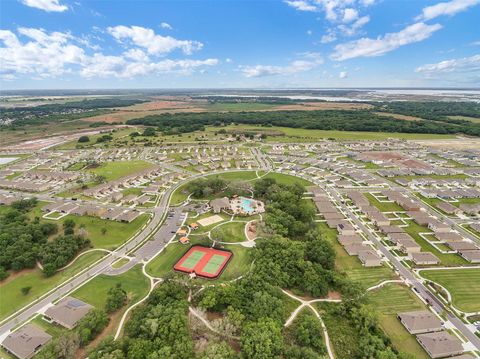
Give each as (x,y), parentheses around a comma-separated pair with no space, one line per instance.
(25,342)
(420,321)
(440,344)
(424,258)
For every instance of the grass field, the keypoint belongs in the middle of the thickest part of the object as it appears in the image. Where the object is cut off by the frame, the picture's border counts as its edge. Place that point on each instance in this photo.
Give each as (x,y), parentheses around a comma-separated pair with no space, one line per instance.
(117,169)
(288,179)
(463,285)
(382,206)
(230,232)
(466,118)
(95,292)
(11,297)
(116,234)
(369,277)
(393,299)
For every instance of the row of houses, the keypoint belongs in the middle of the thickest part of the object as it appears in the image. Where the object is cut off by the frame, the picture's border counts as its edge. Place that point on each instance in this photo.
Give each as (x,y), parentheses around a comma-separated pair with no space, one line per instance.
(352,242)
(432,336)
(118,214)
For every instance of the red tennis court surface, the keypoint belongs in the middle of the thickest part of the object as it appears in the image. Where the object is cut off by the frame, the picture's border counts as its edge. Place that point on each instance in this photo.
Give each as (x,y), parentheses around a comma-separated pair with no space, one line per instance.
(203,261)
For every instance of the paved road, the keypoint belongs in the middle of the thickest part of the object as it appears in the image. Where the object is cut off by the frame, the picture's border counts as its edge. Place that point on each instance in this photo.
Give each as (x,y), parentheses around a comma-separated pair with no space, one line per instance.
(104,265)
(406,273)
(8,324)
(262,159)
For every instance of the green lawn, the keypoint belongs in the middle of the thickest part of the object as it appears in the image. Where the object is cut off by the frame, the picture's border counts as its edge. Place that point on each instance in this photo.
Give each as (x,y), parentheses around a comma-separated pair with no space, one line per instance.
(120,263)
(179,195)
(382,206)
(237,176)
(393,299)
(463,285)
(11,297)
(117,169)
(414,229)
(133,282)
(369,277)
(116,234)
(230,232)
(288,179)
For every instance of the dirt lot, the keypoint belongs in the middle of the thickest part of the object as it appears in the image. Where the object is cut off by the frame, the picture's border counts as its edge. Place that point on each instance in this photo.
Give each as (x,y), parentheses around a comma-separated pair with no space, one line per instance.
(312,106)
(456,143)
(399,117)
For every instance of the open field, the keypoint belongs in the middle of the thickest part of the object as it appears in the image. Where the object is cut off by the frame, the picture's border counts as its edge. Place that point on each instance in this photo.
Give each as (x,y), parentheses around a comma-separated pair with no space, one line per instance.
(95,292)
(399,116)
(463,285)
(369,277)
(11,297)
(116,234)
(115,170)
(393,299)
(230,232)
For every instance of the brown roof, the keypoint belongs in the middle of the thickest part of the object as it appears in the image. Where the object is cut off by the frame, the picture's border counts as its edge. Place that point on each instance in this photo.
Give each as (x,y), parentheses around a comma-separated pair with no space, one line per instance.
(68,312)
(440,344)
(26,341)
(424,258)
(420,321)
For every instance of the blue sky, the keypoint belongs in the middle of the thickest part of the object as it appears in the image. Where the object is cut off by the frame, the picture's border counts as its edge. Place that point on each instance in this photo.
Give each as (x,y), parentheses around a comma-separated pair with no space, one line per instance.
(244,43)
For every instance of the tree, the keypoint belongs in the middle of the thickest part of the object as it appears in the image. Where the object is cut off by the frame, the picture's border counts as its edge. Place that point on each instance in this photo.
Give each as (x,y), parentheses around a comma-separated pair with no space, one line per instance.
(262,339)
(219,351)
(25,290)
(103,230)
(307,332)
(83,139)
(116,298)
(149,131)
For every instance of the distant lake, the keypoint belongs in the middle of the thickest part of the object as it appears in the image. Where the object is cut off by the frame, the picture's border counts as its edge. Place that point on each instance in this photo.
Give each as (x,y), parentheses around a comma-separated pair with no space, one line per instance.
(5,160)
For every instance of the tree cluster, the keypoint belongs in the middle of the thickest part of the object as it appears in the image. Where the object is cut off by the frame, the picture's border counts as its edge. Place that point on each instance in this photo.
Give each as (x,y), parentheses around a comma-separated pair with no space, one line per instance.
(24,242)
(340,120)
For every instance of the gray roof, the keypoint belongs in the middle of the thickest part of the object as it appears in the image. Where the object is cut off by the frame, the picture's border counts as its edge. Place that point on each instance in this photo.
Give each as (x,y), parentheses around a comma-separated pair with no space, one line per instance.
(424,257)
(68,311)
(26,341)
(440,344)
(420,321)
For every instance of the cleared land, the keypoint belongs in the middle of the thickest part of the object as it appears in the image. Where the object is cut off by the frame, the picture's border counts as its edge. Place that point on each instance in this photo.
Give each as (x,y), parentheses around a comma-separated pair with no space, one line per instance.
(115,170)
(463,285)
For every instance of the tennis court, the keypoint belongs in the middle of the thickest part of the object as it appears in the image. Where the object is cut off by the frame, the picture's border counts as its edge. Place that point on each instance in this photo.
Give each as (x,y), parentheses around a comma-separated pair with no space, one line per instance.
(203,261)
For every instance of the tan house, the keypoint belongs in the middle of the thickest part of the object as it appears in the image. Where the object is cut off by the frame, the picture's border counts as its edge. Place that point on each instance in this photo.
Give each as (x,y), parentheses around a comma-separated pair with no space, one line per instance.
(424,258)
(369,258)
(420,321)
(25,342)
(440,344)
(346,229)
(67,312)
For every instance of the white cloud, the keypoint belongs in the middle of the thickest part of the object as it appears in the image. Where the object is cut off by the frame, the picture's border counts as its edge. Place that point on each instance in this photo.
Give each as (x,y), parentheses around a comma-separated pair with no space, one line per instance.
(343,75)
(352,29)
(46,5)
(330,36)
(448,8)
(309,32)
(366,47)
(153,43)
(349,15)
(116,66)
(40,54)
(301,5)
(465,64)
(166,25)
(228,60)
(43,54)
(310,61)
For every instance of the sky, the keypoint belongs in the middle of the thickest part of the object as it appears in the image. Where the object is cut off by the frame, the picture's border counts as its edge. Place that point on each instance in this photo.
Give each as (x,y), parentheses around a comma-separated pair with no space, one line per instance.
(83,44)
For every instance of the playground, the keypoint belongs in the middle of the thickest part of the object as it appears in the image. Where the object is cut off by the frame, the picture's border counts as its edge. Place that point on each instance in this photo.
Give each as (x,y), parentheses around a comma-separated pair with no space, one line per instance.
(203,261)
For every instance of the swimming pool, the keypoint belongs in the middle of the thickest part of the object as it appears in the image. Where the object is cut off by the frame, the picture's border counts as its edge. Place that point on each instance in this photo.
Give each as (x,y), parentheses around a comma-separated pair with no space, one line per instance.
(247,205)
